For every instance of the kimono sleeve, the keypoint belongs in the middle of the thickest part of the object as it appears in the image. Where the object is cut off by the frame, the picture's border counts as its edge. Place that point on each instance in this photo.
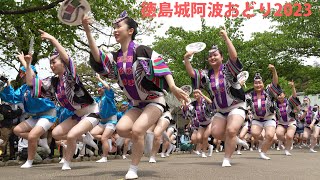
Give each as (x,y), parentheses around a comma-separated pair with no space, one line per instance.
(201,78)
(153,65)
(105,67)
(8,94)
(42,88)
(71,69)
(158,65)
(294,102)
(234,67)
(273,90)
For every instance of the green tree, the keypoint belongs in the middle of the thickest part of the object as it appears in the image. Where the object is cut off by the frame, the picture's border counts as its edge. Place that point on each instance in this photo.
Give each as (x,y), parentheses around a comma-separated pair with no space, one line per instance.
(20,20)
(299,36)
(292,40)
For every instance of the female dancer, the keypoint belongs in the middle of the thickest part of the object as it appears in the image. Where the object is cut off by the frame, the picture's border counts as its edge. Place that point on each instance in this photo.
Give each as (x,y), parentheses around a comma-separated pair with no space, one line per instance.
(227,95)
(190,114)
(308,116)
(287,123)
(108,116)
(68,90)
(315,125)
(142,74)
(162,124)
(168,144)
(203,112)
(263,108)
(43,110)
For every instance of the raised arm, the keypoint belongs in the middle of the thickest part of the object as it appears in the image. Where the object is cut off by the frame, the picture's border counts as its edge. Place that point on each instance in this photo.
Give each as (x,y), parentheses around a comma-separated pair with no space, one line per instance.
(231,49)
(62,52)
(102,81)
(188,65)
(92,43)
(294,92)
(29,72)
(275,79)
(21,59)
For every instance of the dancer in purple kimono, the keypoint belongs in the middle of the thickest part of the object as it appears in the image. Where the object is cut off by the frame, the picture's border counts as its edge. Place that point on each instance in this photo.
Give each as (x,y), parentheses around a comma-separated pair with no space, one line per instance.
(287,123)
(226,94)
(262,102)
(142,74)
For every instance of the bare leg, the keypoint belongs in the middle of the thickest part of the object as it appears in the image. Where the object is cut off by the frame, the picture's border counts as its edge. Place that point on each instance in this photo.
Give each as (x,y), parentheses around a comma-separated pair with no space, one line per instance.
(60,132)
(97,132)
(135,124)
(200,138)
(22,130)
(234,123)
(256,132)
(149,116)
(74,134)
(33,135)
(126,146)
(269,134)
(289,138)
(306,134)
(105,144)
(314,138)
(161,126)
(280,131)
(33,138)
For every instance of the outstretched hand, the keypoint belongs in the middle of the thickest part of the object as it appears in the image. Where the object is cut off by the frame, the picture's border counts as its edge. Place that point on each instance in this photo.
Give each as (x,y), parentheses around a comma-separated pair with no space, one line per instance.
(98,76)
(291,83)
(180,94)
(188,55)
(28,59)
(20,56)
(242,82)
(223,33)
(86,21)
(45,35)
(271,67)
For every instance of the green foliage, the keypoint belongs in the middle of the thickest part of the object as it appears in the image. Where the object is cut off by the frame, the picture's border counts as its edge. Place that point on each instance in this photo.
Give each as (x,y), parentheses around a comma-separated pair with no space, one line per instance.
(286,88)
(17,29)
(291,40)
(299,35)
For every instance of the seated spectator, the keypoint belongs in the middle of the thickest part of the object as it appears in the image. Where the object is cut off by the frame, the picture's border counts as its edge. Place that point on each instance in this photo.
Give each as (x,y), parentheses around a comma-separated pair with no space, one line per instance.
(186,141)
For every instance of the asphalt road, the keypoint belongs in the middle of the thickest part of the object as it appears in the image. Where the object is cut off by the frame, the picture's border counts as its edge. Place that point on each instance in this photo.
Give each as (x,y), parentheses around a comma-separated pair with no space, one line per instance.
(302,165)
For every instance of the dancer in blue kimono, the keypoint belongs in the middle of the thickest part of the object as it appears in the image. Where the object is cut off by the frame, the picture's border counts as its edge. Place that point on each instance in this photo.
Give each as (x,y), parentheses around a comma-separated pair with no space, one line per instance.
(108,116)
(42,110)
